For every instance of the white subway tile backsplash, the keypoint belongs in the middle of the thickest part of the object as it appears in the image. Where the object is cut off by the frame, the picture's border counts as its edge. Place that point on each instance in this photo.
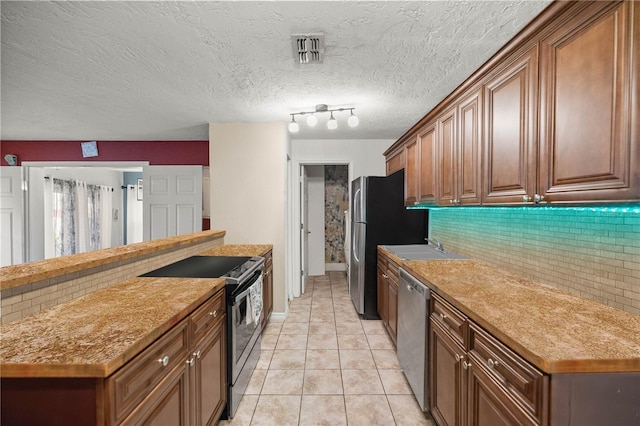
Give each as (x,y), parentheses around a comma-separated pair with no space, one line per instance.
(592,252)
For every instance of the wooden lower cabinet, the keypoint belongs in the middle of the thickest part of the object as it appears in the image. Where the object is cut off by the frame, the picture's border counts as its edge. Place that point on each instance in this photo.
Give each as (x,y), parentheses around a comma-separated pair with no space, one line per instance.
(180,379)
(209,377)
(393,309)
(475,379)
(167,404)
(388,277)
(446,390)
(193,391)
(267,288)
(487,405)
(383,293)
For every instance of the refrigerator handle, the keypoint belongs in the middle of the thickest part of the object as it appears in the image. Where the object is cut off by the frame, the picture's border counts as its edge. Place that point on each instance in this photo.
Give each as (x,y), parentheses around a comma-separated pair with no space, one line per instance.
(354,245)
(357,207)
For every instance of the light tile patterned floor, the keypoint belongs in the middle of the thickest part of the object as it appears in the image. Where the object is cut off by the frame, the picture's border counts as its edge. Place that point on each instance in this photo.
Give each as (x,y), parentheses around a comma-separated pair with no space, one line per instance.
(324,366)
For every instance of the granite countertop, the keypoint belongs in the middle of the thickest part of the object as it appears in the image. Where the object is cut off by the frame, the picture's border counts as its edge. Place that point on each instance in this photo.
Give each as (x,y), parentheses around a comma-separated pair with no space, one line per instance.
(554,330)
(239,250)
(96,334)
(15,275)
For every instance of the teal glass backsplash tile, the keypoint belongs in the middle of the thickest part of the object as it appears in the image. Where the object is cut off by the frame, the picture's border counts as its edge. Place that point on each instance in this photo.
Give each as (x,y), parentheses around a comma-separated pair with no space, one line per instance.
(593,251)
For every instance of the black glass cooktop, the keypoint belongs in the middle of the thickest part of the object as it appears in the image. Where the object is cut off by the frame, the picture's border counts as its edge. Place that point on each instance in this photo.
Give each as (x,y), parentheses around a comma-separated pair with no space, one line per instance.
(202,267)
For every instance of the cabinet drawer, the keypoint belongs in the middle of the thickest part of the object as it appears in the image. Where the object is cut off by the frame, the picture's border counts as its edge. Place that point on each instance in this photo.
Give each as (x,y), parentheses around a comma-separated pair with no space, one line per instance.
(131,384)
(393,270)
(208,315)
(522,381)
(450,318)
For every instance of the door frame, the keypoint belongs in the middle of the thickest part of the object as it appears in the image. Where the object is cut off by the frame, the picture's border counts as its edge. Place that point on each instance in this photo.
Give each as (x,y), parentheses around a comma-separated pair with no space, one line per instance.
(115,165)
(295,282)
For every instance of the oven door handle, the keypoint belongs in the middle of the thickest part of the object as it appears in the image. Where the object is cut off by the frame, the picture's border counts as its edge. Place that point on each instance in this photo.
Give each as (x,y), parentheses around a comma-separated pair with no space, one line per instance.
(247,287)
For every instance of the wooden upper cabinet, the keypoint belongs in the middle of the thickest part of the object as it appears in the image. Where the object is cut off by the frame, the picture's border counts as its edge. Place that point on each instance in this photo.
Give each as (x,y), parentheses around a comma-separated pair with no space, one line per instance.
(428,154)
(448,165)
(459,136)
(395,161)
(510,126)
(589,132)
(420,168)
(411,173)
(469,149)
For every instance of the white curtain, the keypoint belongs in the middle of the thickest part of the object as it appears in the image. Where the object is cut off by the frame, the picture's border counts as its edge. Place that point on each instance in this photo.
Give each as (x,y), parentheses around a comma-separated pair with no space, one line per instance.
(134,215)
(81,216)
(82,231)
(65,207)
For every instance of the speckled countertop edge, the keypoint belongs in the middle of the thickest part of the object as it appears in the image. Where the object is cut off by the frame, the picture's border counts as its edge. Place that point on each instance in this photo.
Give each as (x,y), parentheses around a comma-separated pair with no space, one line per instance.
(15,275)
(96,334)
(563,334)
(239,250)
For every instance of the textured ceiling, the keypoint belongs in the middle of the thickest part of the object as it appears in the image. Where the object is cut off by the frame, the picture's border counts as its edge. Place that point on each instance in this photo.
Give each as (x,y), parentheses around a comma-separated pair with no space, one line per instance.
(163,70)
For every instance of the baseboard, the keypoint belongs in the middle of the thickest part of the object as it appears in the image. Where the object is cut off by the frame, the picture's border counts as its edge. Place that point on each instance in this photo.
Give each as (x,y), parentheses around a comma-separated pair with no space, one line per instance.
(278,316)
(335,267)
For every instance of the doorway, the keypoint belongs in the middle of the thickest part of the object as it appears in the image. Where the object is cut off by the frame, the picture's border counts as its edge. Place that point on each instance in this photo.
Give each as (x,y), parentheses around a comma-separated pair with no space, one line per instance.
(323,216)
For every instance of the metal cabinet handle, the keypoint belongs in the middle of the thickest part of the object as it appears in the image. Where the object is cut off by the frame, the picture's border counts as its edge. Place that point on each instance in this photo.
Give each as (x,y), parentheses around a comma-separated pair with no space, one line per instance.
(409,287)
(458,358)
(191,362)
(466,364)
(491,363)
(538,198)
(442,316)
(163,361)
(197,354)
(213,313)
(385,276)
(526,198)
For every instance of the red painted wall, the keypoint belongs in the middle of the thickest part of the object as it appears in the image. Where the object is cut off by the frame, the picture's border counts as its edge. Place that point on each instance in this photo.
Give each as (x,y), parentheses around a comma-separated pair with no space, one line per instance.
(165,153)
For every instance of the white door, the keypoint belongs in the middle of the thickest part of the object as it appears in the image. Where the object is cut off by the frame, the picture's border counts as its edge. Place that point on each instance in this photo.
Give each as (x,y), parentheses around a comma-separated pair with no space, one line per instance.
(171,201)
(11,213)
(304,228)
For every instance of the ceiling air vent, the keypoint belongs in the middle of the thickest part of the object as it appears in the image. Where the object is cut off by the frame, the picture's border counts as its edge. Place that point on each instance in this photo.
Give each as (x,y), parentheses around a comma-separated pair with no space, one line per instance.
(308,48)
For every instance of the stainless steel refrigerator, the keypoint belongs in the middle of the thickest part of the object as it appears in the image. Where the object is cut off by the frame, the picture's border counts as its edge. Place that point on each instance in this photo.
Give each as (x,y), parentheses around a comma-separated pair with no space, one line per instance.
(378,217)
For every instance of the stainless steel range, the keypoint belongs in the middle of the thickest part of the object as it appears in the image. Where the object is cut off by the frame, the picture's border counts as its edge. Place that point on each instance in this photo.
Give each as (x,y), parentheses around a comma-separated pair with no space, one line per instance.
(243,280)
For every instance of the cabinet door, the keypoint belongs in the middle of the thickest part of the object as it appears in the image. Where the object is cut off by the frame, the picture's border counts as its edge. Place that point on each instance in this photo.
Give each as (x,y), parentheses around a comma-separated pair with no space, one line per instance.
(382,295)
(469,160)
(587,148)
(393,310)
(411,173)
(446,378)
(510,126)
(267,289)
(488,404)
(167,404)
(395,162)
(428,149)
(447,155)
(210,376)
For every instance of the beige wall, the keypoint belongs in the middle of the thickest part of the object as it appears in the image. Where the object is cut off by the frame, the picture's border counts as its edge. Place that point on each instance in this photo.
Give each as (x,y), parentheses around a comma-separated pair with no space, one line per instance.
(248,189)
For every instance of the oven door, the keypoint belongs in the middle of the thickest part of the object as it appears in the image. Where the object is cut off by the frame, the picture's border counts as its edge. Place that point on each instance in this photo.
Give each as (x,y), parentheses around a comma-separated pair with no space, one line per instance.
(243,335)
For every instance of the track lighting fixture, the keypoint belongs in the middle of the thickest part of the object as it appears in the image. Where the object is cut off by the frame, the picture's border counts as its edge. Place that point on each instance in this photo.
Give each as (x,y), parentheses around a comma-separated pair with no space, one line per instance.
(312,119)
(293,126)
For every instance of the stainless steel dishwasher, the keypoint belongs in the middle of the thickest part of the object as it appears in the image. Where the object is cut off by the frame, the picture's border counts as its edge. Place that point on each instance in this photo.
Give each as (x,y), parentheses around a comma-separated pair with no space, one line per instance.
(413,335)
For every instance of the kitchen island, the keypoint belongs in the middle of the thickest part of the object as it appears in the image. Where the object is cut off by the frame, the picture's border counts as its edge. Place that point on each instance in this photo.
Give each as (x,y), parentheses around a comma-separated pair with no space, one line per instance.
(514,348)
(134,350)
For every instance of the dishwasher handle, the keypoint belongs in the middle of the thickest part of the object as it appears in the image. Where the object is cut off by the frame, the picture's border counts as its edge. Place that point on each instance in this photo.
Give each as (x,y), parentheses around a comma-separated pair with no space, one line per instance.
(413,285)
